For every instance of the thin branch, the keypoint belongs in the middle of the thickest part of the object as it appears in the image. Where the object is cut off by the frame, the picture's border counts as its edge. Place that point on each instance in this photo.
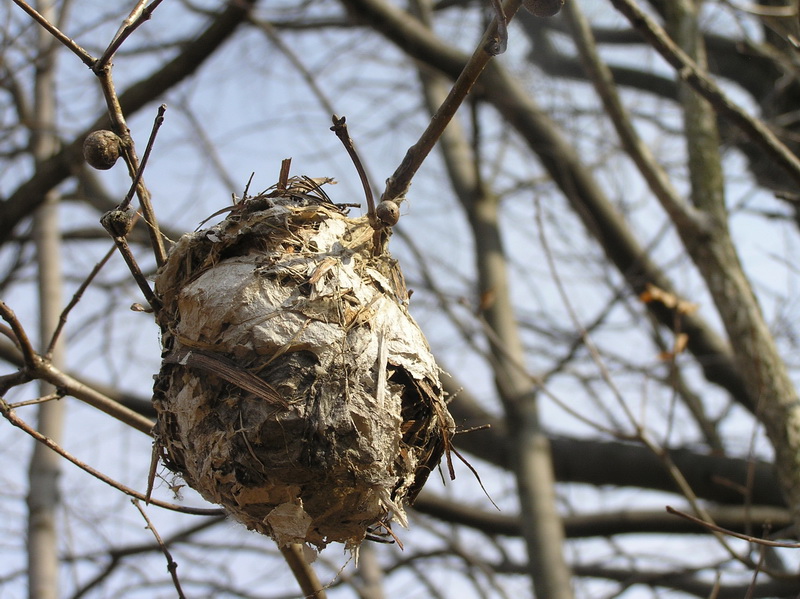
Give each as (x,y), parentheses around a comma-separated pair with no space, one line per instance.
(70,386)
(132,160)
(32,402)
(117,555)
(300,67)
(29,195)
(172,566)
(137,16)
(397,185)
(85,57)
(681,213)
(21,337)
(718,529)
(15,420)
(139,405)
(640,433)
(102,69)
(76,297)
(562,163)
(340,129)
(118,223)
(303,572)
(159,120)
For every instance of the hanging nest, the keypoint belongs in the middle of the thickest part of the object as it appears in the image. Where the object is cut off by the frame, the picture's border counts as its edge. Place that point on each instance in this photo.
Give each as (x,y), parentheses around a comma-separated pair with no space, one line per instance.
(295,389)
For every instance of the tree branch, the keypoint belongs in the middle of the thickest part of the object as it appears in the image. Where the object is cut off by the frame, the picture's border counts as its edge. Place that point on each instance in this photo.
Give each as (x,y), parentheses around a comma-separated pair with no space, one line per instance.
(738,519)
(27,197)
(695,76)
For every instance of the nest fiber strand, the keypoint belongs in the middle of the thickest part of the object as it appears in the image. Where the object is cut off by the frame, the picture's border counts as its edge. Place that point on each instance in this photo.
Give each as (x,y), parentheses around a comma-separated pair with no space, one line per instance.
(295,388)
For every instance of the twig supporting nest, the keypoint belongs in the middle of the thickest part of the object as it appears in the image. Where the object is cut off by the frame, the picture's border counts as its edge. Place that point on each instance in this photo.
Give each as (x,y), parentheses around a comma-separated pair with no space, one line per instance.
(295,388)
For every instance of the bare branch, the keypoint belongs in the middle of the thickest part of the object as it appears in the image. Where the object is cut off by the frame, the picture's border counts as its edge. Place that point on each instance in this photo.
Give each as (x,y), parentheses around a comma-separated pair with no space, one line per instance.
(85,57)
(172,566)
(76,297)
(303,572)
(138,15)
(397,185)
(690,72)
(20,336)
(12,417)
(53,171)
(681,213)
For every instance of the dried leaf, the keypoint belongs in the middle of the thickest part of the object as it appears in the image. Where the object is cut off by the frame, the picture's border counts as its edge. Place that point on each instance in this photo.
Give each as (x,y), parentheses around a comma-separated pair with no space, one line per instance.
(669,300)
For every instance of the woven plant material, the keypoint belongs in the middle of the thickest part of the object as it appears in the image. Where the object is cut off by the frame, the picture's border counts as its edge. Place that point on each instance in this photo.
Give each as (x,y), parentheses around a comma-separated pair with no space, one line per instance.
(295,389)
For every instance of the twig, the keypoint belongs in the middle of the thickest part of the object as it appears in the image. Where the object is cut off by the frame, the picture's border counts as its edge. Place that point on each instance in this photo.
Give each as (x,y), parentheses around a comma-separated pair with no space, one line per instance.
(30,193)
(87,58)
(397,185)
(44,370)
(688,70)
(340,129)
(25,346)
(283,177)
(387,213)
(639,434)
(32,402)
(718,529)
(15,420)
(151,474)
(292,57)
(172,566)
(159,120)
(117,222)
(138,15)
(500,347)
(34,367)
(499,44)
(102,69)
(682,214)
(76,297)
(132,161)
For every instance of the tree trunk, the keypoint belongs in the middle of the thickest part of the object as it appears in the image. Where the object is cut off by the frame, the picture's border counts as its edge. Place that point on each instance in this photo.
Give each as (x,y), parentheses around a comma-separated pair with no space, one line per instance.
(762,368)
(44,469)
(532,464)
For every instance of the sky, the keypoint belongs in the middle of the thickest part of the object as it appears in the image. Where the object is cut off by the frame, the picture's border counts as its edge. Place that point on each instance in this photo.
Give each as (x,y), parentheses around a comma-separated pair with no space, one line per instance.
(255,111)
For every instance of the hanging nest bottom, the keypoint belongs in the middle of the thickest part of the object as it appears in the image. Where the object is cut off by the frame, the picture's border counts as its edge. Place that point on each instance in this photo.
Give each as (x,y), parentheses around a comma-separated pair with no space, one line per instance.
(295,389)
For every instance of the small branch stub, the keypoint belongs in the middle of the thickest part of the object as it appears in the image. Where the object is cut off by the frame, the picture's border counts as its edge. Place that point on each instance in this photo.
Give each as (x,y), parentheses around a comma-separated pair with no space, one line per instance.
(101,149)
(295,388)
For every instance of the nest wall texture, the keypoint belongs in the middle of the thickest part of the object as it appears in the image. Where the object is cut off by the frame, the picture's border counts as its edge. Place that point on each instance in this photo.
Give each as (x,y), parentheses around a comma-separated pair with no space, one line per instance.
(295,388)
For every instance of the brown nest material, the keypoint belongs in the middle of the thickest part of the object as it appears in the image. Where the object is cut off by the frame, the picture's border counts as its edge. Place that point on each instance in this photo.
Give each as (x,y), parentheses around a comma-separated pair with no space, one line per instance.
(295,389)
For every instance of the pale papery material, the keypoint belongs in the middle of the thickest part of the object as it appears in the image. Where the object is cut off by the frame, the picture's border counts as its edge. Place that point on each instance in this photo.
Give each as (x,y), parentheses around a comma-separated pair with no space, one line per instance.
(296,390)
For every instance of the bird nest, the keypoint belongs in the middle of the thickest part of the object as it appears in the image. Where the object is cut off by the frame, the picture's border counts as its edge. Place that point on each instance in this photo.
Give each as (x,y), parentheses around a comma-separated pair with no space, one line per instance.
(295,388)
